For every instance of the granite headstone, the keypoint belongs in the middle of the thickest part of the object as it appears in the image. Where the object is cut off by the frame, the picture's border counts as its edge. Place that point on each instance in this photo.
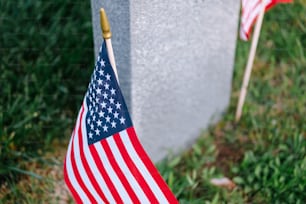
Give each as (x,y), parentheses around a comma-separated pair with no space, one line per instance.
(175,64)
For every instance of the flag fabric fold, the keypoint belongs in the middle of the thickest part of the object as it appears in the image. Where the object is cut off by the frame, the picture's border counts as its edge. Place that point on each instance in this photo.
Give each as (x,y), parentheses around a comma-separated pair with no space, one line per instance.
(250,11)
(105,161)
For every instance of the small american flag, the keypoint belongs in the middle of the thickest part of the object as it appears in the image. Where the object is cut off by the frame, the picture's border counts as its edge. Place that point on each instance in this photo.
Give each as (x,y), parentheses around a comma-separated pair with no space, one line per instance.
(105,162)
(250,11)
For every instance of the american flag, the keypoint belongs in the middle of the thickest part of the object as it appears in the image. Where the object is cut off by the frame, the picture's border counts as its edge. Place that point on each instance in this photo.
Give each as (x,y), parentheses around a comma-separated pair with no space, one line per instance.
(105,162)
(250,11)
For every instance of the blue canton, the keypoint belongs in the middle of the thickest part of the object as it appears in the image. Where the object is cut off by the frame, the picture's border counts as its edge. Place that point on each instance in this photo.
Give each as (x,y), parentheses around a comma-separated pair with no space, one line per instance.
(107,112)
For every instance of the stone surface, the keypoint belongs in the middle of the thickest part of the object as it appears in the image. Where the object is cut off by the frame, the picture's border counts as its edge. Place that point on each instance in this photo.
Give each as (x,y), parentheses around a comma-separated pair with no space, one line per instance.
(175,64)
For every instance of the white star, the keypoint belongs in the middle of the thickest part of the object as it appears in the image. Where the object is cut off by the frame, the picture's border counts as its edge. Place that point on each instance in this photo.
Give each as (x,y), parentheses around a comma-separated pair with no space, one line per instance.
(101,72)
(101,114)
(106,86)
(90,135)
(113,124)
(118,105)
(91,112)
(92,126)
(113,91)
(103,104)
(100,81)
(98,91)
(99,123)
(97,132)
(111,100)
(107,119)
(108,76)
(97,100)
(88,121)
(116,114)
(102,63)
(110,109)
(122,120)
(105,95)
(105,128)
(94,118)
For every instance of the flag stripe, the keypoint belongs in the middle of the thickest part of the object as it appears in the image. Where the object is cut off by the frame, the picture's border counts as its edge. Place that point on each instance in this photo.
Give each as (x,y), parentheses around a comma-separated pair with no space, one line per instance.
(112,174)
(71,178)
(128,174)
(68,183)
(84,158)
(100,180)
(250,11)
(99,176)
(134,168)
(120,174)
(79,168)
(147,173)
(136,145)
(106,177)
(251,19)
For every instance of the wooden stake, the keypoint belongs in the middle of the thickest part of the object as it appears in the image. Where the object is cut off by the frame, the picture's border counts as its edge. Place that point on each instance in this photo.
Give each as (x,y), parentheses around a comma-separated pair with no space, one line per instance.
(247,73)
(107,37)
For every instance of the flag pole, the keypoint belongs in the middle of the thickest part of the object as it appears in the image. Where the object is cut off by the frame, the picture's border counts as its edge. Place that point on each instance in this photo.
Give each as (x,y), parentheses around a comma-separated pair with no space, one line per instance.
(247,73)
(107,34)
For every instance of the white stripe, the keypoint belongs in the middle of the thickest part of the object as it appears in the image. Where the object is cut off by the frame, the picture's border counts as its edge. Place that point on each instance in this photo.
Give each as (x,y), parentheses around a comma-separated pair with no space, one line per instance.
(70,173)
(97,174)
(142,168)
(243,35)
(80,167)
(92,165)
(253,16)
(249,10)
(247,13)
(249,7)
(112,174)
(248,24)
(128,174)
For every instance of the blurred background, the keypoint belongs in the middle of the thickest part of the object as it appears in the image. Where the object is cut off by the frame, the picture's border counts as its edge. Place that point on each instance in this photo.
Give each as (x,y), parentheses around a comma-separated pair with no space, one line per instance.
(46,58)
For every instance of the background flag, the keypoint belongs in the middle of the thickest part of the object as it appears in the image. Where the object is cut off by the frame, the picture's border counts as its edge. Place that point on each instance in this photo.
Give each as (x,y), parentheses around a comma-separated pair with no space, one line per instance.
(250,11)
(105,162)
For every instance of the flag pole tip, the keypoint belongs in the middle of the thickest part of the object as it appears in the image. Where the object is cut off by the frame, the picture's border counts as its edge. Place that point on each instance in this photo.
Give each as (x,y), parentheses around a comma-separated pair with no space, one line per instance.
(105,25)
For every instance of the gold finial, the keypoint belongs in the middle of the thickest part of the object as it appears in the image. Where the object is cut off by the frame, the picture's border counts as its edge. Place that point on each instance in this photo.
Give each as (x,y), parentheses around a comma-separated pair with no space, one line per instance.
(105,25)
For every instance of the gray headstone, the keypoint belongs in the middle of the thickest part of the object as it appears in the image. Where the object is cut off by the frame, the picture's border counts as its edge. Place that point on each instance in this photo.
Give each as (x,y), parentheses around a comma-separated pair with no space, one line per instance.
(175,64)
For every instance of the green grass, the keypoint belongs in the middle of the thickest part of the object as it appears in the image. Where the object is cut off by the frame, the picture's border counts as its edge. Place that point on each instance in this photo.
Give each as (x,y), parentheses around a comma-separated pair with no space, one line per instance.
(45,52)
(45,49)
(265,153)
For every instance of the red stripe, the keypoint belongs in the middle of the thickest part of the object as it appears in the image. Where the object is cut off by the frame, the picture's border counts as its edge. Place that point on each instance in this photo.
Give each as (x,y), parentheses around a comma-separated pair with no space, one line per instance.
(274,2)
(109,183)
(247,31)
(69,185)
(119,172)
(247,15)
(85,163)
(77,174)
(150,166)
(134,169)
